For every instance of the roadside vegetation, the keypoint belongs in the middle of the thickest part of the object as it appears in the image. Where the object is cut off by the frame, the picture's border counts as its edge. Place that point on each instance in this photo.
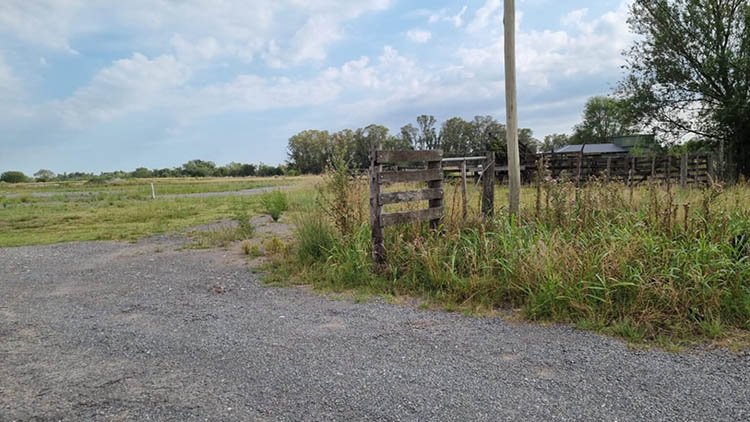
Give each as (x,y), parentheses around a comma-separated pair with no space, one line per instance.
(652,264)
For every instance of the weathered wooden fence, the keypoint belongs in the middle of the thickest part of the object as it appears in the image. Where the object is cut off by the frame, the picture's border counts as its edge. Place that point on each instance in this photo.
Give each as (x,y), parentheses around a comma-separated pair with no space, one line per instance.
(432,174)
(685,169)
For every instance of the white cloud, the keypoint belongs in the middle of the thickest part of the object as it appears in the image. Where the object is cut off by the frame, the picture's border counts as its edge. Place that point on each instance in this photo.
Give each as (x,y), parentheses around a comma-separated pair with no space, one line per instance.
(45,22)
(419,36)
(442,16)
(488,14)
(127,86)
(584,47)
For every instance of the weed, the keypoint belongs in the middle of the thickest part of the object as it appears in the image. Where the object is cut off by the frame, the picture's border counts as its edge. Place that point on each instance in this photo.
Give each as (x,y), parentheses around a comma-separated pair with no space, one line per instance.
(274,203)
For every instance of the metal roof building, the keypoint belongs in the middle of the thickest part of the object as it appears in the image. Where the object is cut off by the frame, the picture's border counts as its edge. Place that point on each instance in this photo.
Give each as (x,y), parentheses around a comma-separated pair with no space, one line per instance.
(589,149)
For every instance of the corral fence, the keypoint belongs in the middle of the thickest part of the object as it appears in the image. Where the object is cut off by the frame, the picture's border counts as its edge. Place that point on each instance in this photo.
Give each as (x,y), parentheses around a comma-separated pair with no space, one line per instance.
(686,169)
(696,169)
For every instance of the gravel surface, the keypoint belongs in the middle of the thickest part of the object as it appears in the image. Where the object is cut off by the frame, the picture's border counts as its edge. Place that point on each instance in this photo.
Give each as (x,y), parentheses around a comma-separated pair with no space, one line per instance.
(116,331)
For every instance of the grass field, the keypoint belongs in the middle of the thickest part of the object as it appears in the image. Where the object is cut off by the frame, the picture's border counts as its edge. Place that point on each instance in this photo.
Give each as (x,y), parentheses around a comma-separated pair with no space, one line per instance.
(120,211)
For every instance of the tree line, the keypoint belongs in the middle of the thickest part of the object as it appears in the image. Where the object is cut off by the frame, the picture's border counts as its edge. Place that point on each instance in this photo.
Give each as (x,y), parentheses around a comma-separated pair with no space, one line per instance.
(193,168)
(310,150)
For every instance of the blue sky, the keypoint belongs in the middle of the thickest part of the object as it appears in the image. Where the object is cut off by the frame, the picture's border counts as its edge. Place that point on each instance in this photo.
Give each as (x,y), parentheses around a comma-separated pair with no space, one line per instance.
(92,85)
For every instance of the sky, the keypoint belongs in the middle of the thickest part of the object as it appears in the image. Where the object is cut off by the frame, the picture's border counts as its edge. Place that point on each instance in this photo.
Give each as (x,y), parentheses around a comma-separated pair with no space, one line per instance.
(103,85)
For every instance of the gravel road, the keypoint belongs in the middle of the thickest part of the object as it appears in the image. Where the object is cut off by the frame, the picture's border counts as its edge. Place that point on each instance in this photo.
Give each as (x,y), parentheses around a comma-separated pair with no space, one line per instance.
(117,331)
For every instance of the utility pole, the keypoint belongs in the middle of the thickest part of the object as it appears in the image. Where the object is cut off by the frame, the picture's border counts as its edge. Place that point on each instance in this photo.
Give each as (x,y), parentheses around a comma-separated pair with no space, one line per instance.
(511,108)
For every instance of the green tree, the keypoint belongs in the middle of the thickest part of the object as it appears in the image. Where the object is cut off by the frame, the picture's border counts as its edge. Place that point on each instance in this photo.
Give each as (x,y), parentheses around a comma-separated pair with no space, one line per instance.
(13,177)
(427,138)
(409,135)
(199,168)
(44,175)
(308,151)
(603,118)
(457,137)
(141,173)
(554,141)
(689,71)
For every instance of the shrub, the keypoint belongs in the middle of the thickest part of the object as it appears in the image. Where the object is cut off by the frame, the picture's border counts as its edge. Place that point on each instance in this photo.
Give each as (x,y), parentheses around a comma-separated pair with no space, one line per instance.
(13,177)
(274,204)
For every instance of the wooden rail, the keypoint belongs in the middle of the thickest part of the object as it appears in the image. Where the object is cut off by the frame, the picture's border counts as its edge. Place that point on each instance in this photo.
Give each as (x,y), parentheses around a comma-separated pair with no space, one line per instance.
(432,174)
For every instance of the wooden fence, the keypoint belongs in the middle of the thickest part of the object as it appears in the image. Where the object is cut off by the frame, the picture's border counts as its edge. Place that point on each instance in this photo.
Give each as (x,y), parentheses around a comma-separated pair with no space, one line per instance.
(697,169)
(685,169)
(432,174)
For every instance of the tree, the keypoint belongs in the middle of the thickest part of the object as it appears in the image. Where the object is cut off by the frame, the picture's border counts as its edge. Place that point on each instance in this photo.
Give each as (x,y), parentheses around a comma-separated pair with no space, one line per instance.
(199,168)
(427,138)
(409,134)
(13,177)
(554,141)
(44,175)
(689,70)
(141,173)
(603,118)
(308,151)
(457,137)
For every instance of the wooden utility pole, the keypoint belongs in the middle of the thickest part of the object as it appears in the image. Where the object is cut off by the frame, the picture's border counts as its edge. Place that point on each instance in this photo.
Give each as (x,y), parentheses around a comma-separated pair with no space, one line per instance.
(511,107)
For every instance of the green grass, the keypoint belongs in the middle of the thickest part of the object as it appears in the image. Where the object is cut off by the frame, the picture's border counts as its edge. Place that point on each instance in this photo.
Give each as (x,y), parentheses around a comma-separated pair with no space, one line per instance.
(604,262)
(26,220)
(141,188)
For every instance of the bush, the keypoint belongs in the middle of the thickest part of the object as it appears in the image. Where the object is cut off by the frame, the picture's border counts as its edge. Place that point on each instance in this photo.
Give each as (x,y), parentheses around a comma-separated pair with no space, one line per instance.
(13,177)
(274,204)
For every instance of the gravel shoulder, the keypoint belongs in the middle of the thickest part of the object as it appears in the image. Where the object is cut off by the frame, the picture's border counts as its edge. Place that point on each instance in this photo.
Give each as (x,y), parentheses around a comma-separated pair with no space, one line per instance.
(145,331)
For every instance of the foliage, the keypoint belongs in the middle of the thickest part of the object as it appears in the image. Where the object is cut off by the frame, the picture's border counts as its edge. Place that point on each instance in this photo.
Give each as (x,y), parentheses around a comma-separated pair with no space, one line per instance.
(274,203)
(44,175)
(603,118)
(663,265)
(689,70)
(554,141)
(308,151)
(13,177)
(343,196)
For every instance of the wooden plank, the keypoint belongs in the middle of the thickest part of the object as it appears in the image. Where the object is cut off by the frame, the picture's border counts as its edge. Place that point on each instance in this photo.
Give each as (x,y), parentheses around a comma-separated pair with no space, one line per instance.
(410,176)
(436,203)
(411,216)
(410,196)
(460,159)
(406,156)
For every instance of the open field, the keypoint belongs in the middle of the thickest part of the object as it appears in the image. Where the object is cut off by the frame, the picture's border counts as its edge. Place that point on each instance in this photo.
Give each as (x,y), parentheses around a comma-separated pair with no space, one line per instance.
(122,211)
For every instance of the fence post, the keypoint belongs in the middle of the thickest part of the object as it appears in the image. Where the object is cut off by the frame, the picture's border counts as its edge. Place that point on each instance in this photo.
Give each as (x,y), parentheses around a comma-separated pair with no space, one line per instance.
(488,185)
(653,168)
(710,168)
(435,184)
(609,169)
(463,187)
(668,171)
(683,170)
(376,210)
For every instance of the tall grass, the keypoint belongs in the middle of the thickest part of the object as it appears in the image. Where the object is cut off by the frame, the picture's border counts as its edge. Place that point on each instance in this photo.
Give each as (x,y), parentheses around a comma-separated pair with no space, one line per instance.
(647,263)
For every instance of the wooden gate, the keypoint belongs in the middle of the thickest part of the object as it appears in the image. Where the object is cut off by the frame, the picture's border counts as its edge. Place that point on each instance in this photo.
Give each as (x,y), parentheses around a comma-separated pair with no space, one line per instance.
(432,173)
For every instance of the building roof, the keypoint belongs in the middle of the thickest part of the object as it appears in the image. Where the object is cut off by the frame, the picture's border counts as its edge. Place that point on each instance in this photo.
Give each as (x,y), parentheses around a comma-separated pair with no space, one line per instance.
(589,149)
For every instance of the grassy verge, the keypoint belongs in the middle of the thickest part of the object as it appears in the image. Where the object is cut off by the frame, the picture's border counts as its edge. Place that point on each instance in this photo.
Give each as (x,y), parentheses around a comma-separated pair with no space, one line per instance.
(652,265)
